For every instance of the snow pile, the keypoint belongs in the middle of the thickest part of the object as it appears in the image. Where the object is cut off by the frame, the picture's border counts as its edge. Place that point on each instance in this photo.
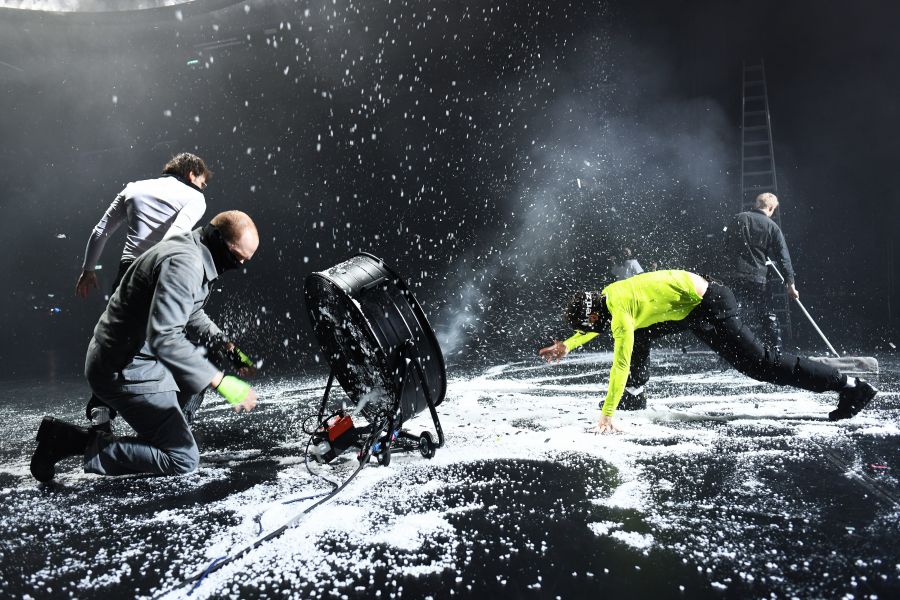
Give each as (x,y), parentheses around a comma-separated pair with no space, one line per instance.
(712,474)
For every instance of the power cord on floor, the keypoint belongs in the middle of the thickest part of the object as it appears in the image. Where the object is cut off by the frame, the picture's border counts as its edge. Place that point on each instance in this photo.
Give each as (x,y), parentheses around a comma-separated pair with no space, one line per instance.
(224,560)
(221,561)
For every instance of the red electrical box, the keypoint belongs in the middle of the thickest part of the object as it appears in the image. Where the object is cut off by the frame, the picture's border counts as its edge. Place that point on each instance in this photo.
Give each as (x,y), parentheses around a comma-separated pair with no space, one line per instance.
(339,426)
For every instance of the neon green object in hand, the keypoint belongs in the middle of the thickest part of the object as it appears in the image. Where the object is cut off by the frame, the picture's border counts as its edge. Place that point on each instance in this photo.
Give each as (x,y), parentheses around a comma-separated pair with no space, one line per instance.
(243,358)
(233,389)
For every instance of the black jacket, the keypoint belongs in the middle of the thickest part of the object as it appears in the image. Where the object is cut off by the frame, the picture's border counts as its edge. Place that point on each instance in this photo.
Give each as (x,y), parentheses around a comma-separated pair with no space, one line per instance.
(750,237)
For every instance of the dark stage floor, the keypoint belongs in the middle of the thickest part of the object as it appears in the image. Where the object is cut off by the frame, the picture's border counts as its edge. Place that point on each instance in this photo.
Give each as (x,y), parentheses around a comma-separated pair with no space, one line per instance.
(721,488)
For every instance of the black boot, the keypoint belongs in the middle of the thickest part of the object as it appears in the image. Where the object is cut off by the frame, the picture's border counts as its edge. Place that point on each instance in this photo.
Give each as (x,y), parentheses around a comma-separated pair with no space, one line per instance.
(631,401)
(852,400)
(56,441)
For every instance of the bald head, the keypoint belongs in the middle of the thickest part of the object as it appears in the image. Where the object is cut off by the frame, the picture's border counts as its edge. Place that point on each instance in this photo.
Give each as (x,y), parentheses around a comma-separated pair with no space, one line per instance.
(239,233)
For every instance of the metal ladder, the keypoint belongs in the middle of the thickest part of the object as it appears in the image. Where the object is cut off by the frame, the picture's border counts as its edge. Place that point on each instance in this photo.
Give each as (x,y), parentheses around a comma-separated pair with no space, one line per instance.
(758,162)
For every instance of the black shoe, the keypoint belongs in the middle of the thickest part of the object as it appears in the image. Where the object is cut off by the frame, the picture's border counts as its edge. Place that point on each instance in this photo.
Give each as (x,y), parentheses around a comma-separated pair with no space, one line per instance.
(56,441)
(852,400)
(633,402)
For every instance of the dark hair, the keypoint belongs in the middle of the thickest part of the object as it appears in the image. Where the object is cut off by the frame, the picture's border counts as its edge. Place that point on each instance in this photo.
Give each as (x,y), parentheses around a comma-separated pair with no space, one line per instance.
(186,163)
(581,306)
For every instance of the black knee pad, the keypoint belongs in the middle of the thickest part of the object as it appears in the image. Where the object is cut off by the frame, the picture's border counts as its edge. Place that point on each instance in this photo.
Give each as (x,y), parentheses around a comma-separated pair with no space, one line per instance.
(633,402)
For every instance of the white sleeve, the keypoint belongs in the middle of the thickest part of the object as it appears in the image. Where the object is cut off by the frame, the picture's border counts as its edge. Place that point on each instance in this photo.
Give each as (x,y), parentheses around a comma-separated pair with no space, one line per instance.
(187,218)
(636,267)
(114,216)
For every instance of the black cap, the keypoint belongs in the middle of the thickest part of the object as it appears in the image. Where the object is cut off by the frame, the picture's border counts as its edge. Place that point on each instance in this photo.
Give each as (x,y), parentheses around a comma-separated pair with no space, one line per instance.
(580,308)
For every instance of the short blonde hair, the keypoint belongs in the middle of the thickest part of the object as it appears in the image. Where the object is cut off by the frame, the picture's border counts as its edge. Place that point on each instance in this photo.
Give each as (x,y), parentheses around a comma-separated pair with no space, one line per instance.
(767,200)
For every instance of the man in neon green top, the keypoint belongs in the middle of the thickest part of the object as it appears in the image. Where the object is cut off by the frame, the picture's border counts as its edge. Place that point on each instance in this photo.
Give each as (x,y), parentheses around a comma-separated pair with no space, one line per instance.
(644,307)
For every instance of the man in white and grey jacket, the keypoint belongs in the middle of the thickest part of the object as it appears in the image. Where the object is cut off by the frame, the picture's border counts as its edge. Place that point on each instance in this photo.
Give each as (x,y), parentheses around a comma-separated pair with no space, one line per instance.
(154,209)
(148,346)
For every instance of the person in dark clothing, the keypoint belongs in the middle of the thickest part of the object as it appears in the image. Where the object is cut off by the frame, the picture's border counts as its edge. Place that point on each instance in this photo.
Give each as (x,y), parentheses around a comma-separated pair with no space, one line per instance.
(751,238)
(642,308)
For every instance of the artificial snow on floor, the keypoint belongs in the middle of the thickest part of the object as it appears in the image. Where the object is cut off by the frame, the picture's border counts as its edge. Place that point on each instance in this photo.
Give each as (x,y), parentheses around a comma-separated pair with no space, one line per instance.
(721,486)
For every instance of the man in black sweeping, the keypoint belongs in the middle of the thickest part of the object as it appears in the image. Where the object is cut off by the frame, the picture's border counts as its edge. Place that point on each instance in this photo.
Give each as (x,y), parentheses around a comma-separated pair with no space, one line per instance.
(751,238)
(643,307)
(147,347)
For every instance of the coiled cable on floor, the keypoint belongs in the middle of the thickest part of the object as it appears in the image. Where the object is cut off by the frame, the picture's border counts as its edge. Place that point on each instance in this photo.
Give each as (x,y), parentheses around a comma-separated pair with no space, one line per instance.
(334,484)
(224,560)
(221,561)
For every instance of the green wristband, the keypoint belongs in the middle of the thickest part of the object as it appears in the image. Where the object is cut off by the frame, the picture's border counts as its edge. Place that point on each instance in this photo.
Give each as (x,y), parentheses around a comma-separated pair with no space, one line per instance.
(233,389)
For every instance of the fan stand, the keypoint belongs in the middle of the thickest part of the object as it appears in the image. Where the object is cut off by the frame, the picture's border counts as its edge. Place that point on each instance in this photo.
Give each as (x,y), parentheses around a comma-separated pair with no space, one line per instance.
(388,435)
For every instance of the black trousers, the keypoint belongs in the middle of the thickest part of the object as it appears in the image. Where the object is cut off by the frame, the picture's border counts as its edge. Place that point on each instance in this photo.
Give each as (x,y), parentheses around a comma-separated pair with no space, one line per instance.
(95,401)
(757,306)
(123,266)
(716,321)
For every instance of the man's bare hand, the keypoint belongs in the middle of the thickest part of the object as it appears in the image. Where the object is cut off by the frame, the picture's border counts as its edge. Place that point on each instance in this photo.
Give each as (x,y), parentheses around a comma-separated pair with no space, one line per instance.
(554,352)
(86,281)
(247,371)
(792,292)
(606,425)
(247,404)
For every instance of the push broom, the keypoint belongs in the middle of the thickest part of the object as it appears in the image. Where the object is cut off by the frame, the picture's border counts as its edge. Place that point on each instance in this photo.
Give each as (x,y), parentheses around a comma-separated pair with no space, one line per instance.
(845,364)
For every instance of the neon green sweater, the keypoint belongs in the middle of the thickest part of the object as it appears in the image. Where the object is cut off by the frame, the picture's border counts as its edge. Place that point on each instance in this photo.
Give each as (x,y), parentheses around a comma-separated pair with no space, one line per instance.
(634,303)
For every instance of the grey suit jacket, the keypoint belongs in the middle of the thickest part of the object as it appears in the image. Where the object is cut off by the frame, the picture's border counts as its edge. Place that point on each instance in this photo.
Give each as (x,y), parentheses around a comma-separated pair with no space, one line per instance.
(141,343)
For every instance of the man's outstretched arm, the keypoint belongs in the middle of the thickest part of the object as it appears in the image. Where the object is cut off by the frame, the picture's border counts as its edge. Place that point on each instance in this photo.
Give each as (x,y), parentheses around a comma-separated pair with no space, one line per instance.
(623,338)
(783,256)
(114,216)
(236,392)
(558,350)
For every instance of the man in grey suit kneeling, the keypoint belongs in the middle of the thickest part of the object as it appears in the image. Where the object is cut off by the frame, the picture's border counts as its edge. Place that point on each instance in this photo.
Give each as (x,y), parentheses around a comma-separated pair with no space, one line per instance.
(147,347)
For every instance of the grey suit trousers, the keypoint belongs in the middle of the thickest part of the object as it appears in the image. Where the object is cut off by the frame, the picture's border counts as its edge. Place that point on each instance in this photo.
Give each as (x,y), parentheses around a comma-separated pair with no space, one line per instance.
(164,444)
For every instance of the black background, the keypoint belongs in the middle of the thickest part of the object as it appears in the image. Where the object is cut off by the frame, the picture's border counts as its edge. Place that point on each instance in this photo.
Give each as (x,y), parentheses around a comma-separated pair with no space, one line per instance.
(494,153)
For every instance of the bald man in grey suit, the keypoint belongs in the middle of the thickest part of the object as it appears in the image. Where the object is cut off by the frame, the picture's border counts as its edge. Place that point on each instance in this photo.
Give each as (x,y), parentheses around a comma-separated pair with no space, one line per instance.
(148,346)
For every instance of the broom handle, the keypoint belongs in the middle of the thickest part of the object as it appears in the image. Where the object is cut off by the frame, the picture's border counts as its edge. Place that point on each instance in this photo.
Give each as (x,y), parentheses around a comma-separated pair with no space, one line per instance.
(803,308)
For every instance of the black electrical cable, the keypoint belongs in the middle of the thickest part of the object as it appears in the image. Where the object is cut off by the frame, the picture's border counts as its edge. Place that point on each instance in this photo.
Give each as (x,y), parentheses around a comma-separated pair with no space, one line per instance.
(228,558)
(334,484)
(224,560)
(258,518)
